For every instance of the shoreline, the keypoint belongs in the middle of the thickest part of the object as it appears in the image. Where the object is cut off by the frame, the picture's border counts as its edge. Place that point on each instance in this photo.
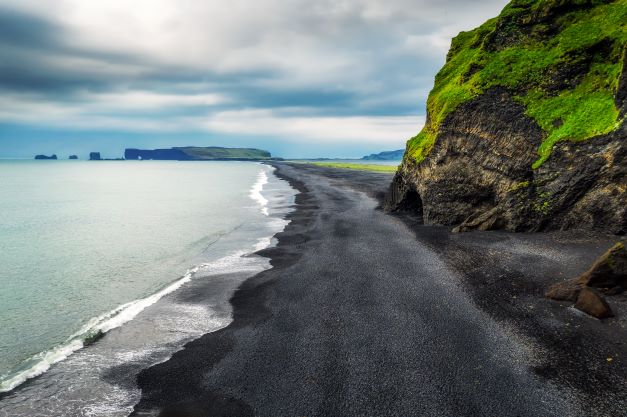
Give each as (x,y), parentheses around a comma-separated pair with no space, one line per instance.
(246,306)
(220,373)
(173,303)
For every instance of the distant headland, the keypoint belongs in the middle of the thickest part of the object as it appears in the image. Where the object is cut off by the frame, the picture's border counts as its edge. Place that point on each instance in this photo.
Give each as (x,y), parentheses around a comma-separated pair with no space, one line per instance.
(195,153)
(186,153)
(385,156)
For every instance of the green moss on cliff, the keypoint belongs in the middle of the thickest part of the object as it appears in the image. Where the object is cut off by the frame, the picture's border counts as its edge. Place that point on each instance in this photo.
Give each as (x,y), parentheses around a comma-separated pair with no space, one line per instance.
(561,59)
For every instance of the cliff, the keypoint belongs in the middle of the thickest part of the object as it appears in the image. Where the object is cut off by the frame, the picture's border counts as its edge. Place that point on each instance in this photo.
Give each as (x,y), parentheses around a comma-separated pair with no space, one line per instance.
(191,153)
(525,125)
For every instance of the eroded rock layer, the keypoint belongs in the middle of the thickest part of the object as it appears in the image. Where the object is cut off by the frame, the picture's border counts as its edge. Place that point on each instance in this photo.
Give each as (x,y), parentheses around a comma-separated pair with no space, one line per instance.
(478,167)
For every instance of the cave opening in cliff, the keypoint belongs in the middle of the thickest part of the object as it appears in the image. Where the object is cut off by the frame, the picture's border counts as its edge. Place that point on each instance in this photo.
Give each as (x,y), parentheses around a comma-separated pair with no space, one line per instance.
(411,203)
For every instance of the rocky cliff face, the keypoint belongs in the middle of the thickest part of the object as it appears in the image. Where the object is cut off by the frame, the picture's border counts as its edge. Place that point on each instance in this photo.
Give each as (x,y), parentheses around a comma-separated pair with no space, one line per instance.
(526,124)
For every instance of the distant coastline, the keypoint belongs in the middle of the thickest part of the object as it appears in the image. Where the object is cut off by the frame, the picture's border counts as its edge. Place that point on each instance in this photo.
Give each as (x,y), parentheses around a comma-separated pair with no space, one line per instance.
(185,153)
(396,155)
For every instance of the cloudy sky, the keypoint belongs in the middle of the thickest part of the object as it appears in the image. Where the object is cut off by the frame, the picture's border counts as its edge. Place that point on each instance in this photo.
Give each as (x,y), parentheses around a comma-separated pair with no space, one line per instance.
(336,78)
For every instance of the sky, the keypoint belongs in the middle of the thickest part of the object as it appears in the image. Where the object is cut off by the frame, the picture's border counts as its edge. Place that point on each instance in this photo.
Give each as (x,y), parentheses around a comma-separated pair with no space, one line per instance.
(302,79)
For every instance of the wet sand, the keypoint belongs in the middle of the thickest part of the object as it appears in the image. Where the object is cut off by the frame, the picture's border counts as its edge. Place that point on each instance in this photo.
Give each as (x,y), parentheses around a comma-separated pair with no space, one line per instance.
(370,314)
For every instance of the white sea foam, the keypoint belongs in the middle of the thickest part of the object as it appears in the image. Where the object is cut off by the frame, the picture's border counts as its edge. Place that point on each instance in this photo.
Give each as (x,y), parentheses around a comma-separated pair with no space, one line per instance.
(263,243)
(41,363)
(103,323)
(115,403)
(255,191)
(234,262)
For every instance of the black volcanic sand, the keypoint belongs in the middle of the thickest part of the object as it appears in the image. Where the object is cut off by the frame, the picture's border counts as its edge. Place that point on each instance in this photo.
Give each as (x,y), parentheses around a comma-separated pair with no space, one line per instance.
(369,314)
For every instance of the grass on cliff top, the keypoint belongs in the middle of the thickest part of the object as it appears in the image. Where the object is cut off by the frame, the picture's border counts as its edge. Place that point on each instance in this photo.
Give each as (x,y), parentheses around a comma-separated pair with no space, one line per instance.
(531,66)
(360,167)
(212,152)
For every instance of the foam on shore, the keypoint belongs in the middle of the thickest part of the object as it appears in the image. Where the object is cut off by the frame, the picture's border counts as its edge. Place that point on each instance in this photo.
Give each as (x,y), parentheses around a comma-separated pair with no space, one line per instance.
(98,326)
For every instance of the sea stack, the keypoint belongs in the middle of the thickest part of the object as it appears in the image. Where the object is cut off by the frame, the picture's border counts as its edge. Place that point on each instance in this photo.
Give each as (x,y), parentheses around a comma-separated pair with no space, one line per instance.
(95,156)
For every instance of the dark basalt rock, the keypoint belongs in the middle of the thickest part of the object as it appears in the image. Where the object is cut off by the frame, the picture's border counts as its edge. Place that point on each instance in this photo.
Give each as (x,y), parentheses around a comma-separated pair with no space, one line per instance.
(482,160)
(73,157)
(93,337)
(44,157)
(483,221)
(484,151)
(95,156)
(478,174)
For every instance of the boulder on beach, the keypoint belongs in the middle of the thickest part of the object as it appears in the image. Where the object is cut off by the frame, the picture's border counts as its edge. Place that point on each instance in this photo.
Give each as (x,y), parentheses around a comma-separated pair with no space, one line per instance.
(607,275)
(608,271)
(564,291)
(482,221)
(591,302)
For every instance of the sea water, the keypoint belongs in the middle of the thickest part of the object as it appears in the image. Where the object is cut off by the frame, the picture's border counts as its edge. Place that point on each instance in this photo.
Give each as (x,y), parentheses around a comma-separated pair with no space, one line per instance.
(108,267)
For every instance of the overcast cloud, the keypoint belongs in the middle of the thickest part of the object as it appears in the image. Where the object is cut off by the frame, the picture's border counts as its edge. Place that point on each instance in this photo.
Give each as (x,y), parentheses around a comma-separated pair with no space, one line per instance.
(300,78)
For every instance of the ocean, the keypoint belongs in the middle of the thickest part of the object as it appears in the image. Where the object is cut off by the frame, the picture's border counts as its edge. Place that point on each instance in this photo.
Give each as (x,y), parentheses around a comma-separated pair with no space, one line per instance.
(109,267)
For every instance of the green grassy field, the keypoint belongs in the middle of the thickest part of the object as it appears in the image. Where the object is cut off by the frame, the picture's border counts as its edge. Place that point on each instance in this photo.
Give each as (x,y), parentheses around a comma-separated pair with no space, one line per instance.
(360,167)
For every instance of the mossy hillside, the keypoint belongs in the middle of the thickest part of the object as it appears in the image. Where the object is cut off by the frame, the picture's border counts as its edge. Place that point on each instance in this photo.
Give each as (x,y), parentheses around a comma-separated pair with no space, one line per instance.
(561,59)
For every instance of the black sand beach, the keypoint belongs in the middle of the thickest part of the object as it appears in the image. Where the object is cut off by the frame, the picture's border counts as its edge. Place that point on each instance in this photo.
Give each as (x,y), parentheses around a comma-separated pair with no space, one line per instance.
(370,314)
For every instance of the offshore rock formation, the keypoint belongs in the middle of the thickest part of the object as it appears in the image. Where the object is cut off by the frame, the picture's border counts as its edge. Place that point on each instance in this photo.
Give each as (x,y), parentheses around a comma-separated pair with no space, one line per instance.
(53,156)
(526,142)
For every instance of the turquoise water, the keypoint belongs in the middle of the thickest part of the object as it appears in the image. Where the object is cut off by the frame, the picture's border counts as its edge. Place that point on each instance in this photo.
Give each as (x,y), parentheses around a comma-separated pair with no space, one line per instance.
(81,242)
